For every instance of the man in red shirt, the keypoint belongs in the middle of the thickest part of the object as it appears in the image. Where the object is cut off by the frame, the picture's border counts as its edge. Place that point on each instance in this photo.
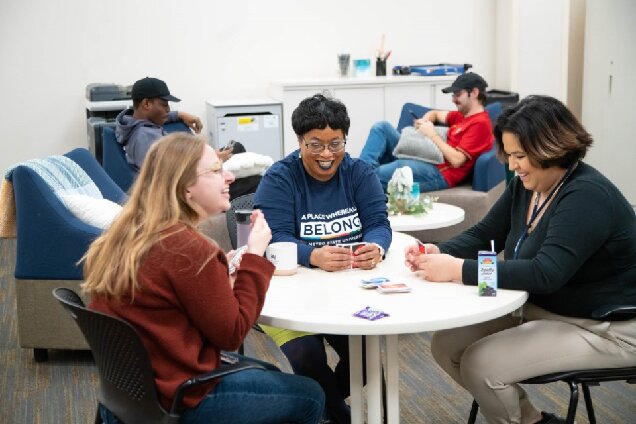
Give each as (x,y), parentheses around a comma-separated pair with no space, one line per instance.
(469,135)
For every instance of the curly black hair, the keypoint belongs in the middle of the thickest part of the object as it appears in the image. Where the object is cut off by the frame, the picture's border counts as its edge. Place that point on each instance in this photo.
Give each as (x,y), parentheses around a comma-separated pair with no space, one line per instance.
(319,112)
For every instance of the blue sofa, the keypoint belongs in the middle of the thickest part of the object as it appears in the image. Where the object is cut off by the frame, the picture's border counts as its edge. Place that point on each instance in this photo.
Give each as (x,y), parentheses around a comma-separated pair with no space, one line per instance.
(50,242)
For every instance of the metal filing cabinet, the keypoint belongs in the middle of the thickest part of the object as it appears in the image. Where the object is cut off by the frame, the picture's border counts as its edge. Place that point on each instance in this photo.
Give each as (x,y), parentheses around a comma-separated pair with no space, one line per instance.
(255,123)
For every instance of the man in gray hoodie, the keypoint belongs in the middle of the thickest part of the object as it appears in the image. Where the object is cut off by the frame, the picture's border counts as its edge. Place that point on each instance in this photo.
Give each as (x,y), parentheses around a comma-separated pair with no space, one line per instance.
(138,128)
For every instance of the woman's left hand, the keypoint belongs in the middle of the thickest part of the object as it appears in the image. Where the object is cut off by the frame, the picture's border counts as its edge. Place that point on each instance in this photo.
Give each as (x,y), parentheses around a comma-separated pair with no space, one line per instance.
(438,267)
(366,256)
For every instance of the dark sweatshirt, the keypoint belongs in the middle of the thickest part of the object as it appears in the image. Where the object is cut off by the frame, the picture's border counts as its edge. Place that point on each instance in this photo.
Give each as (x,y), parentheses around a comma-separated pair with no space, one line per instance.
(580,256)
(350,207)
(137,135)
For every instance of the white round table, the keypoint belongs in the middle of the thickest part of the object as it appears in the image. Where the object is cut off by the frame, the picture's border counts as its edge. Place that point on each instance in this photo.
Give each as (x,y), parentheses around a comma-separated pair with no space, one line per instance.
(440,216)
(324,302)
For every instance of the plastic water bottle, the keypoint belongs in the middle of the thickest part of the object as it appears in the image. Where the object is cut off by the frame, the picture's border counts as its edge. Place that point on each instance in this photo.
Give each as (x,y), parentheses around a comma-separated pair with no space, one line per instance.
(415,193)
(415,205)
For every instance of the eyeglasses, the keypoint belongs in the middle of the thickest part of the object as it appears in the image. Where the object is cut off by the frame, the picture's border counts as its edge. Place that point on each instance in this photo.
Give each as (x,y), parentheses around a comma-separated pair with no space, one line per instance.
(316,148)
(216,168)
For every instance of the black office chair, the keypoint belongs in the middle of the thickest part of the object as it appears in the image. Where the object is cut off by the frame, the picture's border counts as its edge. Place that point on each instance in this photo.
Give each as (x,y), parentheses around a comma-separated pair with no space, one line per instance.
(586,378)
(127,387)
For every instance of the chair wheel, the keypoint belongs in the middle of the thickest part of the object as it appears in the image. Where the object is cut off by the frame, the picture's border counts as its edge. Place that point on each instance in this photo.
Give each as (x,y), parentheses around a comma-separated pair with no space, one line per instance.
(40,355)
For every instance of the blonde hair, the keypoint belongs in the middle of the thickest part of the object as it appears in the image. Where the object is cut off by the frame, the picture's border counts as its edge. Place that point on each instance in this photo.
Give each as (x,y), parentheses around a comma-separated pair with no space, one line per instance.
(157,202)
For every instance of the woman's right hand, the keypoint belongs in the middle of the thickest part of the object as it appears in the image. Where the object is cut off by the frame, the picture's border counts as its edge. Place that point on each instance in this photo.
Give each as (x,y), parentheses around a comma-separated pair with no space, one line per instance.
(331,258)
(260,234)
(412,252)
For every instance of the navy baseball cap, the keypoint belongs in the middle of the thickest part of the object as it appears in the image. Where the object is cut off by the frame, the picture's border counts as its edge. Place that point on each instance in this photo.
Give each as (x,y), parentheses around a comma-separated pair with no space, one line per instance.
(150,88)
(466,81)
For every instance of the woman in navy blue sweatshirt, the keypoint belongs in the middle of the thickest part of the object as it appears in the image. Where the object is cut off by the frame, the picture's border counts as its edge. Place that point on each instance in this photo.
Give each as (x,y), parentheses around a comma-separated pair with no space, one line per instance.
(318,197)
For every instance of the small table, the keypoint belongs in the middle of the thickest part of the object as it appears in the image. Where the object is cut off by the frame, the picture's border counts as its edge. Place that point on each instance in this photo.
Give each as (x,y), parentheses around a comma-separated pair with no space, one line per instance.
(441,215)
(324,302)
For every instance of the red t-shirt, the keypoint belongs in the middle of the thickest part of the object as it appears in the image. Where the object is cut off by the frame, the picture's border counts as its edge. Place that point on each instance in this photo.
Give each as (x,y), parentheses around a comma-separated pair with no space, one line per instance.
(470,135)
(186,312)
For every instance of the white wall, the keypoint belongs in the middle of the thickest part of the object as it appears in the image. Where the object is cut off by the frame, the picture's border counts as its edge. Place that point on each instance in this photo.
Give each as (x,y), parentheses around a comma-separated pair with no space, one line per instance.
(540,48)
(542,45)
(609,89)
(575,56)
(50,50)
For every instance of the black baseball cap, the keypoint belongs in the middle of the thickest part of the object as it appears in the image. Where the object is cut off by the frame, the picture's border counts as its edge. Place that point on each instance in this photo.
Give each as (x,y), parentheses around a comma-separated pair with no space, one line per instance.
(466,81)
(150,88)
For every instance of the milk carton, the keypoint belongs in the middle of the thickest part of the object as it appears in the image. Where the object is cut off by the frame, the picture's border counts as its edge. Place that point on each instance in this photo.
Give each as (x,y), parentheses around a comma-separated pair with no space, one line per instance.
(487,273)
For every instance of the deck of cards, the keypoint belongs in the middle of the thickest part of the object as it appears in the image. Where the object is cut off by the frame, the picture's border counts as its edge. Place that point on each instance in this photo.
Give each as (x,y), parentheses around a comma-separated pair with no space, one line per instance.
(373,283)
(391,287)
(352,246)
(236,259)
(384,285)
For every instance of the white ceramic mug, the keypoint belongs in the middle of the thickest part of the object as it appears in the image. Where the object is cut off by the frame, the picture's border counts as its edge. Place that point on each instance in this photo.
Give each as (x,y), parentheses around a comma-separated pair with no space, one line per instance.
(283,255)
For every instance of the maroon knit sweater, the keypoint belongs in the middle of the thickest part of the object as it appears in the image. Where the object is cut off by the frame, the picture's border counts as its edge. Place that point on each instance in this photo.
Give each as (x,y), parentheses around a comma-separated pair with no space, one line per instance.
(186,312)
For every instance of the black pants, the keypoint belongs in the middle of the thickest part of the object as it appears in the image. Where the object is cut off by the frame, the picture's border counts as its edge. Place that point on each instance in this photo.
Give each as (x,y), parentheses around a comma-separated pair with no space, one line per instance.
(307,356)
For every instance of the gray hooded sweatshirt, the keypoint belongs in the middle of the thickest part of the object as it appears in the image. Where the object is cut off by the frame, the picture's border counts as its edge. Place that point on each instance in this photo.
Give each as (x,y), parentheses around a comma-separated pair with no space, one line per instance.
(137,135)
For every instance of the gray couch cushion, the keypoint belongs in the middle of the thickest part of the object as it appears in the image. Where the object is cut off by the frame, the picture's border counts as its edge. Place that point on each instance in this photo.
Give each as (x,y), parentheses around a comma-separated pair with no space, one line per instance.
(415,145)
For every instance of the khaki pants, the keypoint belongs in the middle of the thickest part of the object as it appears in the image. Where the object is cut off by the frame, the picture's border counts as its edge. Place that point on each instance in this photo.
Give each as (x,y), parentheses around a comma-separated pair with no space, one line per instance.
(488,359)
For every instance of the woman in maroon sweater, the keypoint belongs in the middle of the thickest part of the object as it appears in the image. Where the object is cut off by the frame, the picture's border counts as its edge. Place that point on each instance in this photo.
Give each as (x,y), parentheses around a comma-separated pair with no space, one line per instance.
(154,269)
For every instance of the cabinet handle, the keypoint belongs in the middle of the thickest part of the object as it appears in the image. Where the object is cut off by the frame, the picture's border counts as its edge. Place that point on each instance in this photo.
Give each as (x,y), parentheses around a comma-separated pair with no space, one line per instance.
(327,93)
(611,79)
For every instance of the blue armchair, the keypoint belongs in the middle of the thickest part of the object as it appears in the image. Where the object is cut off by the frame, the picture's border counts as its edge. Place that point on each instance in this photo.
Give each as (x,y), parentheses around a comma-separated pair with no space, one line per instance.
(476,194)
(114,160)
(114,157)
(50,242)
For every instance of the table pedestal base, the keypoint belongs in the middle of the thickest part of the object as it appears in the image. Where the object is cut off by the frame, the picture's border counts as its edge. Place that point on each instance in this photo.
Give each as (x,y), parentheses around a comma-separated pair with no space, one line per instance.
(374,379)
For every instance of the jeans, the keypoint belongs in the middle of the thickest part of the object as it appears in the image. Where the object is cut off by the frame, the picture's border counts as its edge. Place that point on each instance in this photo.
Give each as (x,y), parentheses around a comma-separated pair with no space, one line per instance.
(255,397)
(378,151)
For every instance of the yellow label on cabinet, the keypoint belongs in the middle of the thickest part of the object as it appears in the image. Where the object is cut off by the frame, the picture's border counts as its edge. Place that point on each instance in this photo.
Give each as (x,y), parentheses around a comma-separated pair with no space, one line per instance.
(245,121)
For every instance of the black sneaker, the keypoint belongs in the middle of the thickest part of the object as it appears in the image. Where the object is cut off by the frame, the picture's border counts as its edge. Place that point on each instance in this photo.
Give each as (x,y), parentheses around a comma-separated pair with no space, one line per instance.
(549,418)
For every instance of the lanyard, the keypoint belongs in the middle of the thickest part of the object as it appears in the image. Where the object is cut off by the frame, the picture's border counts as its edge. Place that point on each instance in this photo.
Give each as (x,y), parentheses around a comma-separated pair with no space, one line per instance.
(536,210)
